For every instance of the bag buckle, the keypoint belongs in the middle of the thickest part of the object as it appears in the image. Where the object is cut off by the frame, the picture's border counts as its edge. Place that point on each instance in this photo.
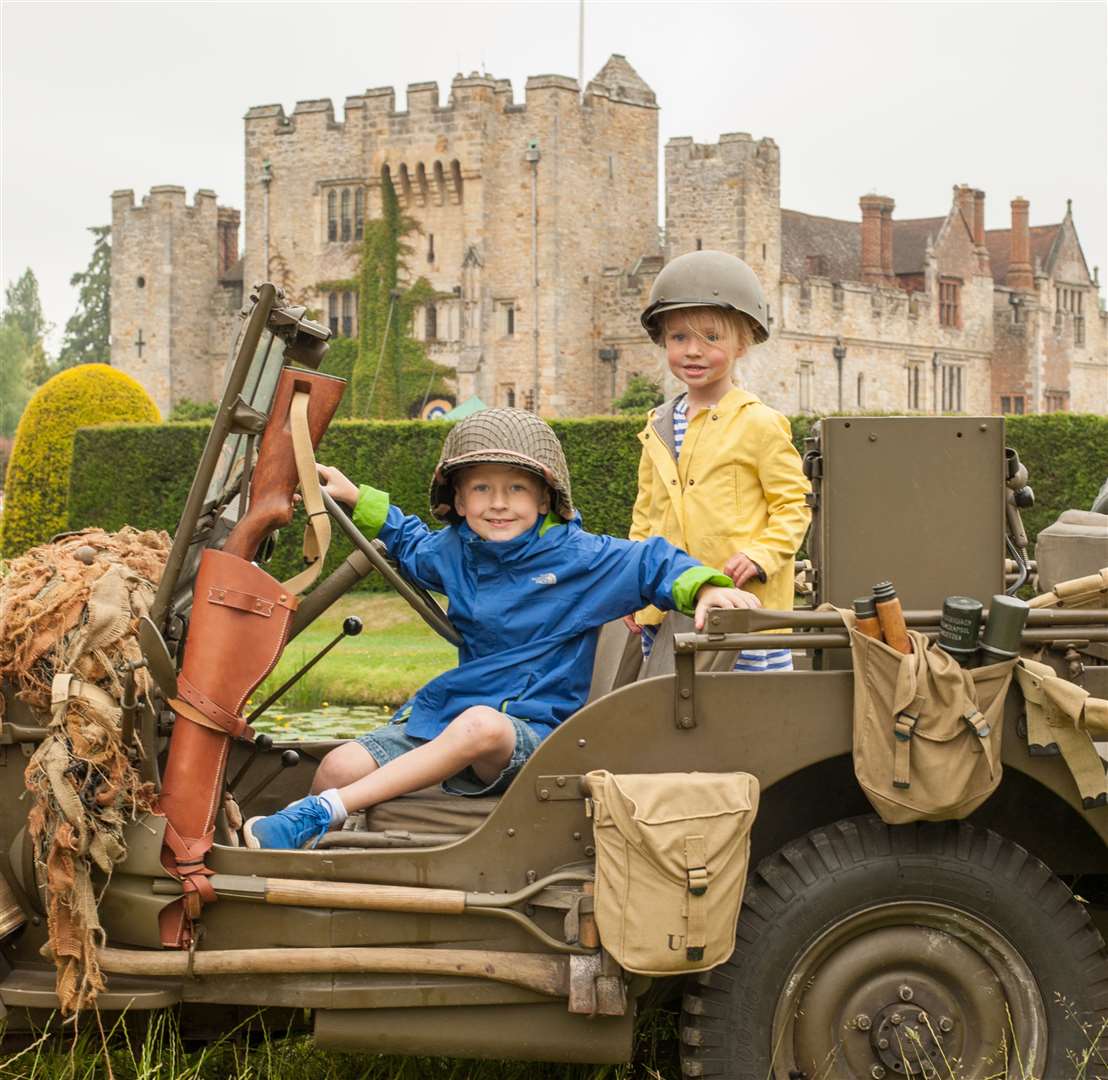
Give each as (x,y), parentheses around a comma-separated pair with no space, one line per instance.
(904,725)
(698,880)
(977,723)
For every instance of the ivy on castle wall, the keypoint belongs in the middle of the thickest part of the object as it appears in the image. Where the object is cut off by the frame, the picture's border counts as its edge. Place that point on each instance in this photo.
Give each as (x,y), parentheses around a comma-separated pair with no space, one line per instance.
(388,371)
(140,475)
(36,489)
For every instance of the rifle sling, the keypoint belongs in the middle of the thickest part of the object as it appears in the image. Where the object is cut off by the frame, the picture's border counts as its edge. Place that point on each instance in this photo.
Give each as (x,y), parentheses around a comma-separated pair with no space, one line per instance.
(317,534)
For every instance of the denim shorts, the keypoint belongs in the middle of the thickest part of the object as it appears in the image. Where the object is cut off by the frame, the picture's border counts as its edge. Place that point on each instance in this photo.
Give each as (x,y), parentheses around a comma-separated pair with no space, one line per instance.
(389,742)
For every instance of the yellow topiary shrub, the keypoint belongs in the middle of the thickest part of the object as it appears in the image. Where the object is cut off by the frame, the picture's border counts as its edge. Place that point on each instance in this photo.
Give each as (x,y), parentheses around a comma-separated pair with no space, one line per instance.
(37,485)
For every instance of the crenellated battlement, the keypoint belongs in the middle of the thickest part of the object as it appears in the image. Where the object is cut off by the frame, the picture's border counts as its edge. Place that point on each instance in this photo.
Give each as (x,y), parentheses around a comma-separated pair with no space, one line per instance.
(617,82)
(736,147)
(164,198)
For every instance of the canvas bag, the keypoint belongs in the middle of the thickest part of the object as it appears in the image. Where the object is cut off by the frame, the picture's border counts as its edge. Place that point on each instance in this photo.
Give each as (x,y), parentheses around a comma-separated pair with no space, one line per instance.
(672,851)
(927,732)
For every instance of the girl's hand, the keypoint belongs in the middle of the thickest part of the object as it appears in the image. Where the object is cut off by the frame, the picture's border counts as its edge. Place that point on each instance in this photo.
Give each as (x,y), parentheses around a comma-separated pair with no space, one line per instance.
(337,485)
(740,568)
(716,596)
(629,622)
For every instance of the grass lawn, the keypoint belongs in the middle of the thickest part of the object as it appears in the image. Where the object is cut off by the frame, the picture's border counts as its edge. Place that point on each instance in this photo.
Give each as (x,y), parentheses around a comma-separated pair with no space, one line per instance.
(393,656)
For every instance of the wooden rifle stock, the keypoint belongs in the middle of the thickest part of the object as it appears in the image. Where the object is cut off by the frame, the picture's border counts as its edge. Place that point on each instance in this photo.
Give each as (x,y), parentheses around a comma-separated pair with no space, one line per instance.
(275,476)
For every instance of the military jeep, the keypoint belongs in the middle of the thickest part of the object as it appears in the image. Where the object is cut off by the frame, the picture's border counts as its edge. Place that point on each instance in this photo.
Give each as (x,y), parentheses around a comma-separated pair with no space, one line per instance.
(466,927)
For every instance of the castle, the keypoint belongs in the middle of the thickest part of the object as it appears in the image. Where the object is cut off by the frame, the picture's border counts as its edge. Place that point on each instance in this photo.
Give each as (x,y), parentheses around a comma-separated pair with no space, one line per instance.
(538,228)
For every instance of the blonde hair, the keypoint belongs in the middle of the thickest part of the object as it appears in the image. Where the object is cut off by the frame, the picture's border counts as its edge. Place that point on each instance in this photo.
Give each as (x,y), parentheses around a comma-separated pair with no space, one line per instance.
(732,327)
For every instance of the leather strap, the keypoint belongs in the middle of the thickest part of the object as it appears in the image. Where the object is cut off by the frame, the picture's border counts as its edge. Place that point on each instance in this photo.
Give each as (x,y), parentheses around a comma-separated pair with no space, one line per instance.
(974,718)
(218,717)
(242,601)
(189,855)
(696,933)
(904,727)
(317,535)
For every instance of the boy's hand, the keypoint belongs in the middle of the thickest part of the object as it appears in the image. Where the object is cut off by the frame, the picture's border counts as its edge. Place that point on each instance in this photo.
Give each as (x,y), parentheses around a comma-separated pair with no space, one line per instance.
(716,596)
(629,622)
(740,568)
(337,485)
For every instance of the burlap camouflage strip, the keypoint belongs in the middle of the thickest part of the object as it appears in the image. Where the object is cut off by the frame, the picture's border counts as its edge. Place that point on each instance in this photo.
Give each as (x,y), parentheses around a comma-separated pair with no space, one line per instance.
(68,616)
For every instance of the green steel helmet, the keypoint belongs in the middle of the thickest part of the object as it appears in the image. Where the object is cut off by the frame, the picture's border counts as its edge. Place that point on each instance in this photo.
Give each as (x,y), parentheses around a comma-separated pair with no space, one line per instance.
(501,437)
(706,279)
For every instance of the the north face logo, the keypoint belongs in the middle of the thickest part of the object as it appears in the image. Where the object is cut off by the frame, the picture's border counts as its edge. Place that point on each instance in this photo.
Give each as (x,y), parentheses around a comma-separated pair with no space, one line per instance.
(545,579)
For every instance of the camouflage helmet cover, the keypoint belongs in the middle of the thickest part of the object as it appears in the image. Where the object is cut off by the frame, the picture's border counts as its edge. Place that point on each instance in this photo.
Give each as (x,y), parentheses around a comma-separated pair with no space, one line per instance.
(706,279)
(501,437)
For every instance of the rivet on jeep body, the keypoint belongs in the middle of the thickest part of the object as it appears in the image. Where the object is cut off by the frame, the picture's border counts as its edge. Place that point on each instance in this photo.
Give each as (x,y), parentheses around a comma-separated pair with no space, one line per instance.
(905,993)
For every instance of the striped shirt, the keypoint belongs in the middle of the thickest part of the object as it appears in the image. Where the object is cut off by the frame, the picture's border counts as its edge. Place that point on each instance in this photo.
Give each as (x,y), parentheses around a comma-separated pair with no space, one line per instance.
(748,659)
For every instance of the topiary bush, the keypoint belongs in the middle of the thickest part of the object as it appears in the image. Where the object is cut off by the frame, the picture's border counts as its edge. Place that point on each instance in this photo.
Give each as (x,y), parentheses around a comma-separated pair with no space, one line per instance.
(37,486)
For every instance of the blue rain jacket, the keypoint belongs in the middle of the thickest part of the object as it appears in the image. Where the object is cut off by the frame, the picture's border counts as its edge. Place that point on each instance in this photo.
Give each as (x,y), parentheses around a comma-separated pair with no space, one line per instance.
(528,610)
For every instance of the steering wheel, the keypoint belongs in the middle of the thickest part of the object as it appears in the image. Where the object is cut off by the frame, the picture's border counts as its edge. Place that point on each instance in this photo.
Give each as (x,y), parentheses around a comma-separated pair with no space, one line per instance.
(425,605)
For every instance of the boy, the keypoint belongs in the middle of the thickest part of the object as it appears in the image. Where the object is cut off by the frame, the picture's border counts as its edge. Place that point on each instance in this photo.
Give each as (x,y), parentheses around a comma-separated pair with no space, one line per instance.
(528,591)
(719,475)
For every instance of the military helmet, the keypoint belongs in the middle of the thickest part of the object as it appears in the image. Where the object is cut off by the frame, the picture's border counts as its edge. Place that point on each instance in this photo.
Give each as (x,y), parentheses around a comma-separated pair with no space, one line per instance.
(501,437)
(706,279)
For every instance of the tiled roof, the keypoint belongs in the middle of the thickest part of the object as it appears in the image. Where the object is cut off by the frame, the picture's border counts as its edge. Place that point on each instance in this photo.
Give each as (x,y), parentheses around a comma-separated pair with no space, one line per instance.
(839,242)
(910,236)
(999,243)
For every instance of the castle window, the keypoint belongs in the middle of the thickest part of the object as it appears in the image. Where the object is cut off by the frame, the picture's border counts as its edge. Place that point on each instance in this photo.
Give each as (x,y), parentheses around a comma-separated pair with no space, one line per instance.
(508,395)
(140,281)
(699,244)
(804,387)
(346,230)
(430,247)
(440,183)
(951,382)
(950,301)
(913,386)
(1079,329)
(333,312)
(456,179)
(510,320)
(1011,404)
(347,314)
(1056,401)
(332,215)
(861,389)
(359,213)
(431,323)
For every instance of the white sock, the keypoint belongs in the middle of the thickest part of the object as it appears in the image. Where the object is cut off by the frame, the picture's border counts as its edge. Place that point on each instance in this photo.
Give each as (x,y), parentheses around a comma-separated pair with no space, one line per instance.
(338,811)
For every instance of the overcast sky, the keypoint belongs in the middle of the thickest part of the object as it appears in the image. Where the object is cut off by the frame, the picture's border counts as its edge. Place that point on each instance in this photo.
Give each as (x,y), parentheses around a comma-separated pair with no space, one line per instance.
(902,99)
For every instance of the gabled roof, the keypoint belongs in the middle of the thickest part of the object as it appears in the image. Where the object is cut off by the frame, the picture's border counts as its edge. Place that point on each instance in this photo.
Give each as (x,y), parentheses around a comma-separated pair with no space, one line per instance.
(621,82)
(910,238)
(839,242)
(999,243)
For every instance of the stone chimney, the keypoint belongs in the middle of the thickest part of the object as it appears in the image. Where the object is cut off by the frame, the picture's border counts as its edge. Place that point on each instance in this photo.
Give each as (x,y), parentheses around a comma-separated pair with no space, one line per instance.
(1019,259)
(983,263)
(877,239)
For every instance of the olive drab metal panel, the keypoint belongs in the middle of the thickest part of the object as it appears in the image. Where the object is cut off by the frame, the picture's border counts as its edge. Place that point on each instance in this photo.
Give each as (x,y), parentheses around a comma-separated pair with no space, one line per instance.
(918,501)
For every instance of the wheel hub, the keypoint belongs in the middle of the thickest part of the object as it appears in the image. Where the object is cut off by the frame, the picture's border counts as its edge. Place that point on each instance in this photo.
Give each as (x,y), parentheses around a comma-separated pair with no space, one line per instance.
(906,991)
(905,1041)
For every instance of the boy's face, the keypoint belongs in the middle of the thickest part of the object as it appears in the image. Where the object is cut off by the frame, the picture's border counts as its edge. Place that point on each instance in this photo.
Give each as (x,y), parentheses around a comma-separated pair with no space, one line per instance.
(499,502)
(698,350)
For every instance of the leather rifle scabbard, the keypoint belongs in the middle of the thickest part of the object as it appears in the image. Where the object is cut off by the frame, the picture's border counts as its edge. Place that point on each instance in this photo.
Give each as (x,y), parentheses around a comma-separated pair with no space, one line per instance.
(275,476)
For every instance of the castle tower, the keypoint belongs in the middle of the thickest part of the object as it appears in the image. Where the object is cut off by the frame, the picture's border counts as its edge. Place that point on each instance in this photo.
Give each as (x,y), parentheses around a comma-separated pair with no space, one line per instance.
(520,208)
(168,259)
(726,196)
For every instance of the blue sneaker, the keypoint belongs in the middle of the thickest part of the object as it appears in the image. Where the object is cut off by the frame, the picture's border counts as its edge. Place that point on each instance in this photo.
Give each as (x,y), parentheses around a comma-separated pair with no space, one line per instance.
(299,824)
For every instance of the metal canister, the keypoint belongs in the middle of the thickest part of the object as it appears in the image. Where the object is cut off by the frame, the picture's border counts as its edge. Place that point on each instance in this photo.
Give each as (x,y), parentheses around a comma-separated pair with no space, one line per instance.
(960,626)
(1007,618)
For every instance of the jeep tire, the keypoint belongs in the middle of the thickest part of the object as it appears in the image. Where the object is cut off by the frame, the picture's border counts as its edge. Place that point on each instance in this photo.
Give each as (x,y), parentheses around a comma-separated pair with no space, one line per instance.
(929,950)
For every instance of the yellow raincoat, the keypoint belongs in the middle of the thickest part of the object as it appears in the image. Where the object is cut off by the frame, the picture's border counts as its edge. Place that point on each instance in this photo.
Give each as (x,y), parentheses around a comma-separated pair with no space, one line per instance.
(738,486)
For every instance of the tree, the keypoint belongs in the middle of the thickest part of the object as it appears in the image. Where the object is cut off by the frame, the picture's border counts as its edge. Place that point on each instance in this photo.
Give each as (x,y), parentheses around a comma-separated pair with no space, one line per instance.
(391,372)
(641,395)
(23,308)
(86,338)
(14,386)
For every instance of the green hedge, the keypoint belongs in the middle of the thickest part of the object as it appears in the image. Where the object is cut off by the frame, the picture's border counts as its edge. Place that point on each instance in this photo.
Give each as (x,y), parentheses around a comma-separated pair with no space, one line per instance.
(140,475)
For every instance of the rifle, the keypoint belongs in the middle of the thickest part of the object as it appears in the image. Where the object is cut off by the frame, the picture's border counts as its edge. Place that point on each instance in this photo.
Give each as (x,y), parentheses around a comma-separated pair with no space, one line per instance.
(239,627)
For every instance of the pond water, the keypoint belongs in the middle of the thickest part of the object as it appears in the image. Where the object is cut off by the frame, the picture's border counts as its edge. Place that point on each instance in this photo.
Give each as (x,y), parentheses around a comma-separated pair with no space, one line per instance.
(326,722)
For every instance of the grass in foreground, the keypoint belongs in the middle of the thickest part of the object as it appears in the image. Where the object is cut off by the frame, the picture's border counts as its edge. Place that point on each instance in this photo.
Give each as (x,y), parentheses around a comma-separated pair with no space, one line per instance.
(157,1051)
(393,656)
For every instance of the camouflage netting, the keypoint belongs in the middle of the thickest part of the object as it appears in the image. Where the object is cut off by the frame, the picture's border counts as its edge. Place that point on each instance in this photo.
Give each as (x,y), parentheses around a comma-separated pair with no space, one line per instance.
(68,618)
